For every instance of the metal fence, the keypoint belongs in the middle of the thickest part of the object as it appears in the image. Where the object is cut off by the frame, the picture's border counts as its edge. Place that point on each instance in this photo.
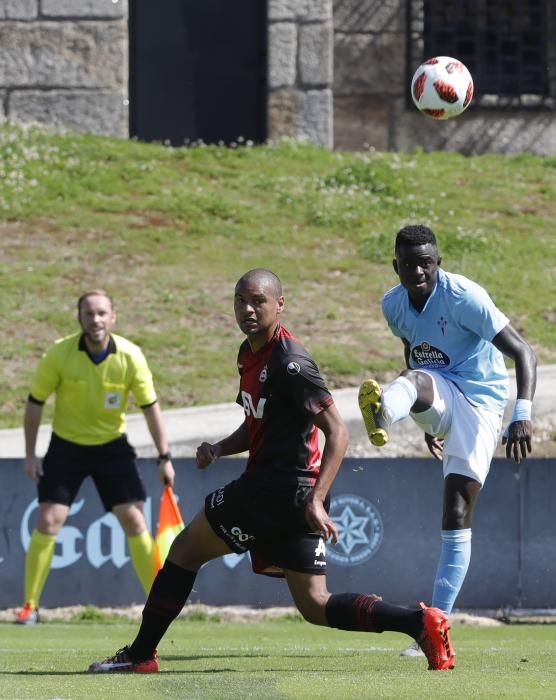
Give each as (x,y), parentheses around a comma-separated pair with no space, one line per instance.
(507,46)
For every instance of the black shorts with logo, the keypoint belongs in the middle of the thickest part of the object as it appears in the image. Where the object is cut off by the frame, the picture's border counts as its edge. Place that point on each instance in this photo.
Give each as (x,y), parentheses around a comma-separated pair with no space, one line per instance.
(269,521)
(111,466)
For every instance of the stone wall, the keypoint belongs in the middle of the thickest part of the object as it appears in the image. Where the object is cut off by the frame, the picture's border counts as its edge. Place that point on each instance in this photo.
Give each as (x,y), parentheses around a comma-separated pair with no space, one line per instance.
(336,76)
(371,87)
(64,62)
(300,57)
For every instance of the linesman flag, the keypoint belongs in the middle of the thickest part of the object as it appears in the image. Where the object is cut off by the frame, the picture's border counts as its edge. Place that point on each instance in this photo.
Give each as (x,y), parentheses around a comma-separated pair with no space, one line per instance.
(170,524)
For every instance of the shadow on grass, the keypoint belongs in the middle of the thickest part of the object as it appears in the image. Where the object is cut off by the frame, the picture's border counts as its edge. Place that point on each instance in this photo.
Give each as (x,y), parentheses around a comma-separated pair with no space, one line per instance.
(45,674)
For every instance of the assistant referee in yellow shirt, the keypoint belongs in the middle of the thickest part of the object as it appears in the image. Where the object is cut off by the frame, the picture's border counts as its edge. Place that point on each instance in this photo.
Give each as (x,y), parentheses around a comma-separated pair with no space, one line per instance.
(91,374)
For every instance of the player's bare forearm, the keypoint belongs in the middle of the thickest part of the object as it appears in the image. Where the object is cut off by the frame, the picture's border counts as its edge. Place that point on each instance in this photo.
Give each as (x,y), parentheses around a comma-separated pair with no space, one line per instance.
(31,424)
(511,344)
(233,444)
(155,424)
(335,446)
(336,441)
(518,435)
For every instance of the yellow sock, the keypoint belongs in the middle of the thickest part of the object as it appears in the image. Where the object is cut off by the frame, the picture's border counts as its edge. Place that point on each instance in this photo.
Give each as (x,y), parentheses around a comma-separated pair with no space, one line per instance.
(141,549)
(37,565)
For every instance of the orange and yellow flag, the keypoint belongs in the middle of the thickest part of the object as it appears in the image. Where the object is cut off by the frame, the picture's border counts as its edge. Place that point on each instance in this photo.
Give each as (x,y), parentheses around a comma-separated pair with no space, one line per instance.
(170,524)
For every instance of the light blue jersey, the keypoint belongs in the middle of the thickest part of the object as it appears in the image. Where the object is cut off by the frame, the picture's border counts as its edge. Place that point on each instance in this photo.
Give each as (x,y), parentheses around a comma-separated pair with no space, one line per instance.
(452,335)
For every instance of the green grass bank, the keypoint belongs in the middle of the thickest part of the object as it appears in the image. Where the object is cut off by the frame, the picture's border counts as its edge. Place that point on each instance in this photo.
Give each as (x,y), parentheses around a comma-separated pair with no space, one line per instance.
(168,231)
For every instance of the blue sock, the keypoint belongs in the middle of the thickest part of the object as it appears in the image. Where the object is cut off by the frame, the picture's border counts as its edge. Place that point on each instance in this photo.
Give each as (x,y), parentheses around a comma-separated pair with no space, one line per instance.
(452,567)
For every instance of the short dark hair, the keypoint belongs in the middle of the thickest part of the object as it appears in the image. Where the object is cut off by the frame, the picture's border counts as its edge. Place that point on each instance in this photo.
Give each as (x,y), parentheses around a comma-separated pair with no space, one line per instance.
(93,293)
(415,235)
(270,278)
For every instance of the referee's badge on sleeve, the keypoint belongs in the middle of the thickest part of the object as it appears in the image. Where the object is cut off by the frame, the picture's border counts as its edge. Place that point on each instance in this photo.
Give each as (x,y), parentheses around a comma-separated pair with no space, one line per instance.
(112,399)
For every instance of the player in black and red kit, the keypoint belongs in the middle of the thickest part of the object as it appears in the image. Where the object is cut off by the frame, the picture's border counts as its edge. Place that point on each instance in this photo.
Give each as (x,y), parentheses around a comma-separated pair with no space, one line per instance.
(277,509)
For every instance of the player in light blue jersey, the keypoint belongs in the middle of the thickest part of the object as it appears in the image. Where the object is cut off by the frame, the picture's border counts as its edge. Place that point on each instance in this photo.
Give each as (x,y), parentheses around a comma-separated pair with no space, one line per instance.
(455,389)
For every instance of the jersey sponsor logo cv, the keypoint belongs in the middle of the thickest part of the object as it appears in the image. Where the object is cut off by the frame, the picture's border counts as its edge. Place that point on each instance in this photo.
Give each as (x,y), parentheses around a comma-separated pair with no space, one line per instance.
(360,529)
(426,355)
(249,407)
(264,373)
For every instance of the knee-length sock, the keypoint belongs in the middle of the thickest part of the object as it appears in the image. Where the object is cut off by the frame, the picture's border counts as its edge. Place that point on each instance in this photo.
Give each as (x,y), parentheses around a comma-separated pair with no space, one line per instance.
(37,565)
(168,595)
(141,549)
(360,612)
(452,568)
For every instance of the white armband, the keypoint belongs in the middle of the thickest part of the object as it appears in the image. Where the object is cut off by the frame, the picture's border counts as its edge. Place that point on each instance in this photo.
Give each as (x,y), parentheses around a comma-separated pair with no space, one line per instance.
(522,410)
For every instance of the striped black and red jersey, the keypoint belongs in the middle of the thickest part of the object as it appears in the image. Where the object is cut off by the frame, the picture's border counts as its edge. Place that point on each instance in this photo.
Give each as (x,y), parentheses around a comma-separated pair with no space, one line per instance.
(281,390)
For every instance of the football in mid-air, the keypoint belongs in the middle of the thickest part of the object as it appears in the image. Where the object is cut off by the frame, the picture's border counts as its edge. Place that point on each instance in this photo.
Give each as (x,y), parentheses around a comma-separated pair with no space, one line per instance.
(442,87)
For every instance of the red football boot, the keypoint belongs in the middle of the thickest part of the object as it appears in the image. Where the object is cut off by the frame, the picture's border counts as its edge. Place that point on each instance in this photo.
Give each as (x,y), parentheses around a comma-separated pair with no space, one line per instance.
(435,640)
(121,663)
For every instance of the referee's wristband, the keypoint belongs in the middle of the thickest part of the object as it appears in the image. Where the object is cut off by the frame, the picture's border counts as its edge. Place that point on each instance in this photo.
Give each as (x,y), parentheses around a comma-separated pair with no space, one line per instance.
(522,410)
(164,457)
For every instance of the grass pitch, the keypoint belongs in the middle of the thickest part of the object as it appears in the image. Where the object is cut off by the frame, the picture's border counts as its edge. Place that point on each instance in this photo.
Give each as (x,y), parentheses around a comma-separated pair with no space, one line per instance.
(275,659)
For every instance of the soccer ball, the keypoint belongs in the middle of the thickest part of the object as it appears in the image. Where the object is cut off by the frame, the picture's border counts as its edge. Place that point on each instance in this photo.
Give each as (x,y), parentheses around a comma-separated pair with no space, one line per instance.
(442,87)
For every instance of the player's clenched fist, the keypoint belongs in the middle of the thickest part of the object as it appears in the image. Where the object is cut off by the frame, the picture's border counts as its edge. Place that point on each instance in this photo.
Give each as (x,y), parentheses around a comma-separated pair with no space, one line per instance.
(206,454)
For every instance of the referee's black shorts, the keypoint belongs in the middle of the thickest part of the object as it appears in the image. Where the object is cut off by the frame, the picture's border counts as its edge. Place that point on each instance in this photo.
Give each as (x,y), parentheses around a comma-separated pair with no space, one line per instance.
(269,521)
(112,466)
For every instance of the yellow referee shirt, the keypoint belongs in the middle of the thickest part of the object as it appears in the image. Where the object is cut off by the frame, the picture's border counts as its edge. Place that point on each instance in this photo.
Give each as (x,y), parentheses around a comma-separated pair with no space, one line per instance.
(91,399)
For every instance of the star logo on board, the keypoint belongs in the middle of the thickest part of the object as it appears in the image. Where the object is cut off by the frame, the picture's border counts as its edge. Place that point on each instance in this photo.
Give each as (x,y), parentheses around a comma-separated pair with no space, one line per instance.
(351,529)
(360,530)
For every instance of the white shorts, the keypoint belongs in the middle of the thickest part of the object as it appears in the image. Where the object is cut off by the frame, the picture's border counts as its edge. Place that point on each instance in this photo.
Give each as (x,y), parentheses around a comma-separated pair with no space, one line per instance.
(470,433)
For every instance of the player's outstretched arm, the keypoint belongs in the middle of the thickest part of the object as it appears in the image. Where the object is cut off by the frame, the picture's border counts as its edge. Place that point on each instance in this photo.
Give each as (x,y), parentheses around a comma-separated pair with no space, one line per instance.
(335,446)
(517,436)
(232,445)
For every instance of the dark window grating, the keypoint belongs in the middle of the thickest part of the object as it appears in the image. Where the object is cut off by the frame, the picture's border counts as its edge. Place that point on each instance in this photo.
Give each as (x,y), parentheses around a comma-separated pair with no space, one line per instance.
(509,46)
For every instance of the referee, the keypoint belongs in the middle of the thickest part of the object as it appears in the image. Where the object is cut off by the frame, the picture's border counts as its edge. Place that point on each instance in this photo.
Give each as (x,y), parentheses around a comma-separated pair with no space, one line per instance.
(91,374)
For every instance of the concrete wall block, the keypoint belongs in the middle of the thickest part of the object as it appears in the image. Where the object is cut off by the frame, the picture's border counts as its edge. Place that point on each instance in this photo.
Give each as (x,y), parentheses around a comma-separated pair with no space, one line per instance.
(94,111)
(54,54)
(282,54)
(369,16)
(280,10)
(19,9)
(2,103)
(362,122)
(305,10)
(316,54)
(84,8)
(282,108)
(369,64)
(315,117)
